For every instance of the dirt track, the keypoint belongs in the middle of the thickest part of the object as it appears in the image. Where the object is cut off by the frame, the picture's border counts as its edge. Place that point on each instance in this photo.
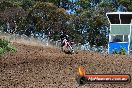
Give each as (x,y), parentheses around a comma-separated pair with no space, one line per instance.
(46,67)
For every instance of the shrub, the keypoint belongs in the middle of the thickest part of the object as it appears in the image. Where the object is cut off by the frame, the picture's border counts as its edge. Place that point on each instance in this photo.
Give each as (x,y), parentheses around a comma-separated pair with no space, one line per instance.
(3,43)
(1,50)
(122,51)
(6,47)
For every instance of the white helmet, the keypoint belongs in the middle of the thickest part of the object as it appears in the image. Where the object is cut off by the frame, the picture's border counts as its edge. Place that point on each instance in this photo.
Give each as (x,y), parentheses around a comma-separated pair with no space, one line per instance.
(67,36)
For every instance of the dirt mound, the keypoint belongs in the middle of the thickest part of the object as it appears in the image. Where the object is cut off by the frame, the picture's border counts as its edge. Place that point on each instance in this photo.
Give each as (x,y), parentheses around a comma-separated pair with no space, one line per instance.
(47,67)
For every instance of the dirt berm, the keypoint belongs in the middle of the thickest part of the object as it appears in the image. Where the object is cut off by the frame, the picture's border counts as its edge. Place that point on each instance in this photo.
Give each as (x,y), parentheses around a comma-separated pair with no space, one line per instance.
(48,67)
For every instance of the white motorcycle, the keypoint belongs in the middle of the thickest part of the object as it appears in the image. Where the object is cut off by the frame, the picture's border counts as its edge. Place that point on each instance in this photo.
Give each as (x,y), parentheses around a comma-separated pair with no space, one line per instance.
(67,47)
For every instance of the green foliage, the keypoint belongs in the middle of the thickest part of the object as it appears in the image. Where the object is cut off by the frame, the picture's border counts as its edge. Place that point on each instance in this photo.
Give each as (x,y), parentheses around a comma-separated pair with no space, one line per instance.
(6,47)
(27,4)
(84,4)
(1,50)
(122,51)
(50,16)
(46,15)
(130,8)
(126,3)
(3,43)
(5,4)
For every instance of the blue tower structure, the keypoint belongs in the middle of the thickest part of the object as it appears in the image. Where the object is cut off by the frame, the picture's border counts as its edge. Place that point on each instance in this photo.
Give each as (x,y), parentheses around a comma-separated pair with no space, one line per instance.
(120,35)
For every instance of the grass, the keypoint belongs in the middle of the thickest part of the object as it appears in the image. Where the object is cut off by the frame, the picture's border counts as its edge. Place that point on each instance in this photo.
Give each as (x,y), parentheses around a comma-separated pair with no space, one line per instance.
(5,46)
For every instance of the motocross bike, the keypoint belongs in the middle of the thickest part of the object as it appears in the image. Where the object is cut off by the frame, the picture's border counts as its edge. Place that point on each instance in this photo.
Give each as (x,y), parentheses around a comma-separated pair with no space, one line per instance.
(67,47)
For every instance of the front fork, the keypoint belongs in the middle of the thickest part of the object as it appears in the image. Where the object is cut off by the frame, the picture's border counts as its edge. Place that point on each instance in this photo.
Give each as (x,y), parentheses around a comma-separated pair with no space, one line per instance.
(71,48)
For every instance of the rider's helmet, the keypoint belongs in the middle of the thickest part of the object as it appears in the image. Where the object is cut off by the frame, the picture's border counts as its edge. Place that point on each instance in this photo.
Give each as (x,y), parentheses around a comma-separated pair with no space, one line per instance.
(61,33)
(67,36)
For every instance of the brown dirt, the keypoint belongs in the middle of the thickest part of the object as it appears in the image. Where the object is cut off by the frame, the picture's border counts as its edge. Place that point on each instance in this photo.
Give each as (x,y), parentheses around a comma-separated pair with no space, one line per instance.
(48,67)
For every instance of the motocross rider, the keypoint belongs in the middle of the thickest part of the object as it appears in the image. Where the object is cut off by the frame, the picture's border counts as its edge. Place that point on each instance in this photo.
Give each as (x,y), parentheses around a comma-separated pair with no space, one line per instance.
(62,37)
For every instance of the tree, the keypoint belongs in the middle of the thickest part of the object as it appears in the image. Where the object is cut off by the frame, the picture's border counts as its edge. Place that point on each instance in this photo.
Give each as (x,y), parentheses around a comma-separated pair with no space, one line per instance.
(5,4)
(27,4)
(12,15)
(126,3)
(47,17)
(88,23)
